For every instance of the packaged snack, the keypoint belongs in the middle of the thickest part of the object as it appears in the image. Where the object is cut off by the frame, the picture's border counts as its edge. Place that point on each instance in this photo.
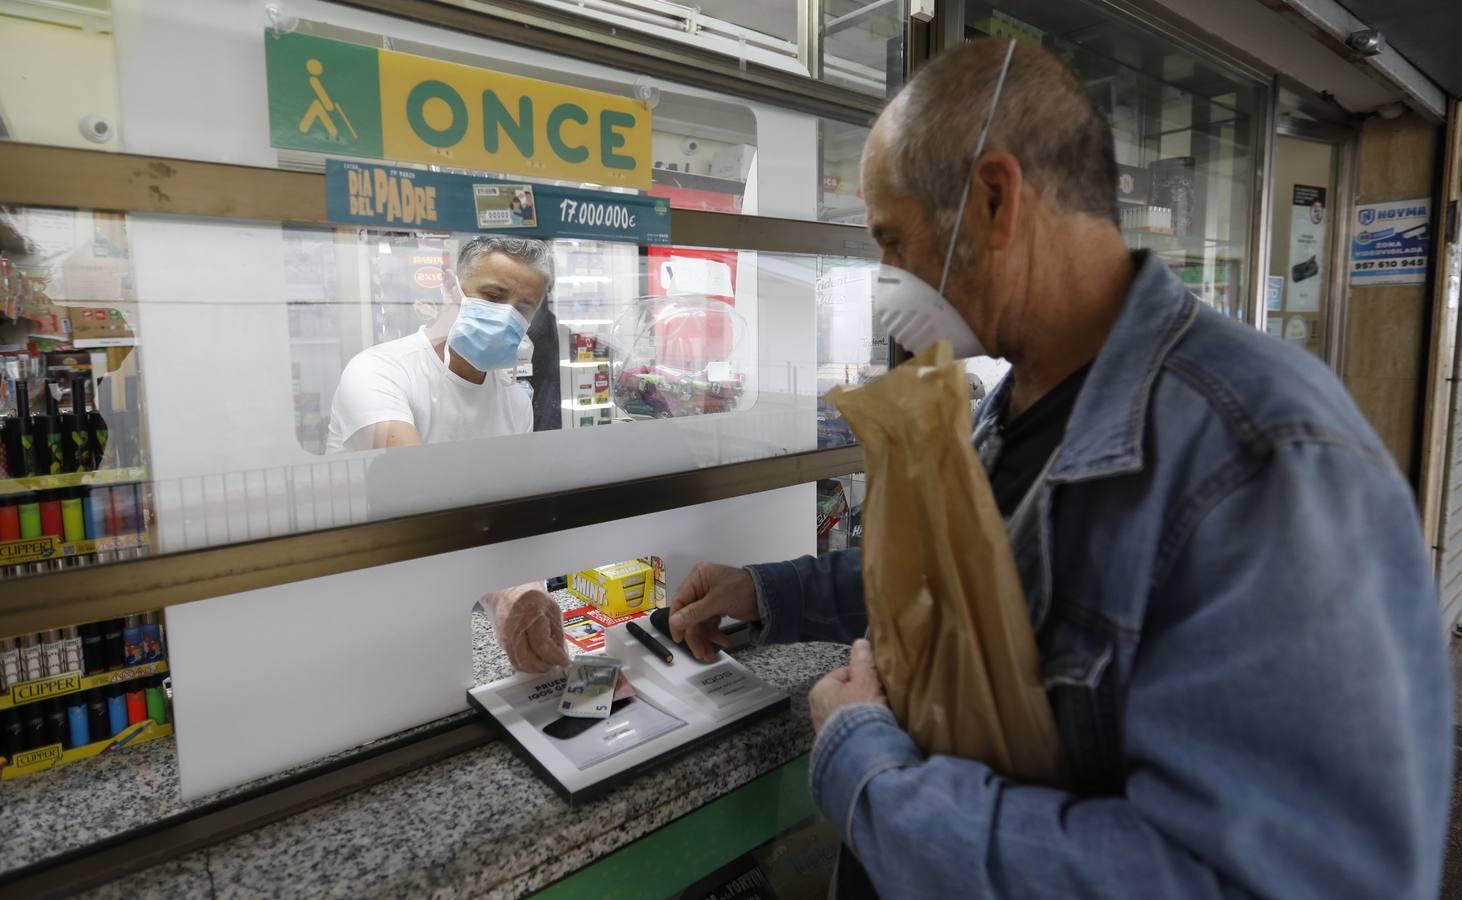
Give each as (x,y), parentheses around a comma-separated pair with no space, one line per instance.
(617,590)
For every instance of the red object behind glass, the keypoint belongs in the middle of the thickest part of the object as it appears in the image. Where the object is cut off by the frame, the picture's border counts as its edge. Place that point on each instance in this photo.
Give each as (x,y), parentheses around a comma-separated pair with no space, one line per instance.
(690,346)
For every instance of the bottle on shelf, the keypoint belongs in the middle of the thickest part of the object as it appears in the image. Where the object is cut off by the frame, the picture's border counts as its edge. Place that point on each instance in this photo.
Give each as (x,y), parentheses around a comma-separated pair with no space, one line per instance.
(77,426)
(131,451)
(7,435)
(45,426)
(23,444)
(97,430)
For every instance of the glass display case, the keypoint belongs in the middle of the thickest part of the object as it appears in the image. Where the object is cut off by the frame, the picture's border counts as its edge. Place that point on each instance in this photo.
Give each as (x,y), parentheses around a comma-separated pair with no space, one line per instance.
(1187,130)
(210,358)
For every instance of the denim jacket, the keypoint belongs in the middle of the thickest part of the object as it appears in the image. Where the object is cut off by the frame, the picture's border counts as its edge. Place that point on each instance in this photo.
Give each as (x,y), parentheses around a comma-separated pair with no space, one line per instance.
(1239,635)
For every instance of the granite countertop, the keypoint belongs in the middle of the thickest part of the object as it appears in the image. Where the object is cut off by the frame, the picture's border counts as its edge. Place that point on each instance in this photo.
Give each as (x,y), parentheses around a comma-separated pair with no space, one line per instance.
(480,823)
(80,804)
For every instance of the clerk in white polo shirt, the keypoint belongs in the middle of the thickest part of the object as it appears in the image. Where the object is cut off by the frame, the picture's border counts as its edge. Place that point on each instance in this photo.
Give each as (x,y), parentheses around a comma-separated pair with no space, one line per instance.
(453,381)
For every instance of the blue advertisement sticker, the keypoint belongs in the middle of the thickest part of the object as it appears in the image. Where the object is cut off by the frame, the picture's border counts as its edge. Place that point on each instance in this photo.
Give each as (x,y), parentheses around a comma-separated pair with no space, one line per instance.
(396,199)
(1390,242)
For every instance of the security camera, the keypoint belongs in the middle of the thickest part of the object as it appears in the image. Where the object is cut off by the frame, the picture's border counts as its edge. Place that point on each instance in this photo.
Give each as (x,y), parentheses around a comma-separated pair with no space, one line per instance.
(95,129)
(281,20)
(647,92)
(1366,42)
(689,146)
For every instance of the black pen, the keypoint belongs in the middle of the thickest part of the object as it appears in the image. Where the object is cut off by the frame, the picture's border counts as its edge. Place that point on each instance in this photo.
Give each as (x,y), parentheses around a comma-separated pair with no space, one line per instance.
(650,643)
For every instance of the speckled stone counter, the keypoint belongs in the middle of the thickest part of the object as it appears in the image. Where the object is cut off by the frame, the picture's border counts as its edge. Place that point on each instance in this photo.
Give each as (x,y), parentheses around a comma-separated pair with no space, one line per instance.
(80,804)
(478,824)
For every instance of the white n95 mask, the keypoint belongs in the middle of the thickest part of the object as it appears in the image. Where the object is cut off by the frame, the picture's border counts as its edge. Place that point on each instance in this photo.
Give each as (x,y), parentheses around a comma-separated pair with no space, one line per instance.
(917,316)
(914,312)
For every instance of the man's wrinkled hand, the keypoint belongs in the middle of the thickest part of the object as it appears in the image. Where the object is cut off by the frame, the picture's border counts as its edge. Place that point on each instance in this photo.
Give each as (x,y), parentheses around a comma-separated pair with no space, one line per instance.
(708,593)
(857,682)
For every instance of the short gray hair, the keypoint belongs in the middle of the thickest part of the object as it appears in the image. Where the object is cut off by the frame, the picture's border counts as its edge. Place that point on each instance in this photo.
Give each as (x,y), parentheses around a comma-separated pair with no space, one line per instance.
(535,253)
(1044,119)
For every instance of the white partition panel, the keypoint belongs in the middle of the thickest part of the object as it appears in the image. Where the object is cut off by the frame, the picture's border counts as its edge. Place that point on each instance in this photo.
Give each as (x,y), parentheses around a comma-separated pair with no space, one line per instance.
(275,678)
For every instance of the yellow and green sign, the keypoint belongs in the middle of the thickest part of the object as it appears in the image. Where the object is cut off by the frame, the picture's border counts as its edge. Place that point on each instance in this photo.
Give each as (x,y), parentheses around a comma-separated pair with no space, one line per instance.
(349,100)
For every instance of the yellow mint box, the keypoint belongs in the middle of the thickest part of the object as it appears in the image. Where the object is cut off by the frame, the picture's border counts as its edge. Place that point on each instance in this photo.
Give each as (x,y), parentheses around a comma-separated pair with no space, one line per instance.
(617,590)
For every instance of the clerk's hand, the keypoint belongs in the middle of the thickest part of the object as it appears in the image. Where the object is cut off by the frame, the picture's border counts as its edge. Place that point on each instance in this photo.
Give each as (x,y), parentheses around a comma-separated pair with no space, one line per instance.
(710,592)
(529,626)
(857,682)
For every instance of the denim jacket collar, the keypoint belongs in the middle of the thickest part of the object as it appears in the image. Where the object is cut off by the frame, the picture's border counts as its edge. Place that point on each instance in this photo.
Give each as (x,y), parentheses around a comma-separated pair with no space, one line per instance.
(1104,434)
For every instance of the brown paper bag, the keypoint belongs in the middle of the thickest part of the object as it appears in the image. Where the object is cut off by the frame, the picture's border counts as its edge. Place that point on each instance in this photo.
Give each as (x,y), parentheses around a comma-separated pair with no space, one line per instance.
(950,629)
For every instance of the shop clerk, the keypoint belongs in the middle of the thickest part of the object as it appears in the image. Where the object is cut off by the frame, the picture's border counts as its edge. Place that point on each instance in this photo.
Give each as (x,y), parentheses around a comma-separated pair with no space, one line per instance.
(453,381)
(1237,618)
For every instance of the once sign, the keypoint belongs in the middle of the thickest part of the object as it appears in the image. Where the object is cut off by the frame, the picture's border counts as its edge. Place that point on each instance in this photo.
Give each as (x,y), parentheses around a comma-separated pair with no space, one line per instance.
(350,100)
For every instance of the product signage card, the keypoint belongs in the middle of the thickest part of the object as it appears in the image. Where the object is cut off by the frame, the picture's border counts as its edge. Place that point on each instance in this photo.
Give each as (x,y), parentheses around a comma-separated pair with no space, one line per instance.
(346,99)
(673,708)
(845,314)
(1306,248)
(585,626)
(29,550)
(414,200)
(1391,242)
(1274,292)
(73,682)
(41,759)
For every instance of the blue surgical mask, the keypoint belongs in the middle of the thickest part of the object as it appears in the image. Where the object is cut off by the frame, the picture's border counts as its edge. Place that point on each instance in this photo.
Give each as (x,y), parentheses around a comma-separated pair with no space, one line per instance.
(487,335)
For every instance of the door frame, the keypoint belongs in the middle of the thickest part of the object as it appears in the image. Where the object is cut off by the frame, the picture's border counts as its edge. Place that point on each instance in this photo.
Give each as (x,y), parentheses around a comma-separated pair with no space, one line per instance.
(1438,439)
(1346,142)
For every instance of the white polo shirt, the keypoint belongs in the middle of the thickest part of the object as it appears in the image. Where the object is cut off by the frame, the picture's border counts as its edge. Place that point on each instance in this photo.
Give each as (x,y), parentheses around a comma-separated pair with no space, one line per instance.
(406,381)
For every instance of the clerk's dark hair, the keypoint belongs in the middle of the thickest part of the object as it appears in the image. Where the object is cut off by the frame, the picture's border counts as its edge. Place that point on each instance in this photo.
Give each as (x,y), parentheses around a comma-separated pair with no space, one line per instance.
(1044,119)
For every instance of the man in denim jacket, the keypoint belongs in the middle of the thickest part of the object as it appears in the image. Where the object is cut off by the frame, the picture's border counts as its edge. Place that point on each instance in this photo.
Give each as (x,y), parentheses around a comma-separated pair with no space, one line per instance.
(1237,619)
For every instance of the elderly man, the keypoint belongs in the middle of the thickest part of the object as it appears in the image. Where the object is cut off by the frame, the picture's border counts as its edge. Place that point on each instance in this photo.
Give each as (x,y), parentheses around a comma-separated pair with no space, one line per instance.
(453,381)
(1230,591)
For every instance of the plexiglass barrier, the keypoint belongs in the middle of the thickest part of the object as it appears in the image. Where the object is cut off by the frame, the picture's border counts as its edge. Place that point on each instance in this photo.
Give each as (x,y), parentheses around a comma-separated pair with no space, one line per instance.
(234,381)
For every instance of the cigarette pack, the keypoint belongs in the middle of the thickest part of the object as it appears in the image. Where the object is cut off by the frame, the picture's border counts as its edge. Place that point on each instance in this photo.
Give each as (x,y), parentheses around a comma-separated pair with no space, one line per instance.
(616,590)
(55,322)
(657,566)
(586,625)
(601,384)
(583,347)
(583,387)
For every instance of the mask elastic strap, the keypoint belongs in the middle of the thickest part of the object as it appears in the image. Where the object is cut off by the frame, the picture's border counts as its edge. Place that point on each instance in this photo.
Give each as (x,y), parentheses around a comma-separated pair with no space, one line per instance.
(969,179)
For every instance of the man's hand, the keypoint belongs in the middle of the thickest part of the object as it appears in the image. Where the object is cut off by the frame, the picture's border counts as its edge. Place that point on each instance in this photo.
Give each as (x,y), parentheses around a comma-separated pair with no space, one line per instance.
(710,592)
(529,626)
(857,682)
